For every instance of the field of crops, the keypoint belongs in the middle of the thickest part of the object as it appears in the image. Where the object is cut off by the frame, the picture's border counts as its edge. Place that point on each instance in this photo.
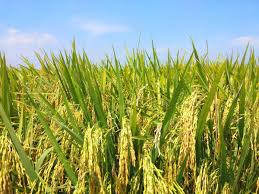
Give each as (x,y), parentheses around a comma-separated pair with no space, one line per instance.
(186,125)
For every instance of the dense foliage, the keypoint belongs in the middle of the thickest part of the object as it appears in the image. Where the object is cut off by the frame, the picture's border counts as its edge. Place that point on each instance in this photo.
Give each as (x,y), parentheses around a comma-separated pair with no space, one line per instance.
(188,125)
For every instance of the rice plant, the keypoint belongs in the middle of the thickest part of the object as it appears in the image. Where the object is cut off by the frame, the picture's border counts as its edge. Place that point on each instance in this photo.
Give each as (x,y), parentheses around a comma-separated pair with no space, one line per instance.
(184,125)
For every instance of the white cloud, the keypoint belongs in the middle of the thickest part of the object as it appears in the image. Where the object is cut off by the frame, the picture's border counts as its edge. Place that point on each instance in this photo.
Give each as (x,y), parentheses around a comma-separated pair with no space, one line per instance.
(244,40)
(100,28)
(14,37)
(14,43)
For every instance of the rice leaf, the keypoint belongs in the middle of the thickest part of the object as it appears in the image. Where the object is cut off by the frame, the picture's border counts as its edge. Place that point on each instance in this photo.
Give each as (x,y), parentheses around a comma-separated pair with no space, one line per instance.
(61,156)
(203,116)
(18,147)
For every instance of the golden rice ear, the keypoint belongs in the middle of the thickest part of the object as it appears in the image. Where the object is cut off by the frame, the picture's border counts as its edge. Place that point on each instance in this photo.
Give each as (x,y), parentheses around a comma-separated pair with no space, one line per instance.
(5,164)
(126,156)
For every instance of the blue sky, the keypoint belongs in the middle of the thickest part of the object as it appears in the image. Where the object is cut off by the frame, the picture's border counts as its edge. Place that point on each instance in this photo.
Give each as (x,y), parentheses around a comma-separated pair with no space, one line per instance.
(27,26)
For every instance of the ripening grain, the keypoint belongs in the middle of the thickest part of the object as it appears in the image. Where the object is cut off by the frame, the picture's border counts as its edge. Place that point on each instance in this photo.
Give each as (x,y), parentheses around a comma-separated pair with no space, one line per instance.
(182,126)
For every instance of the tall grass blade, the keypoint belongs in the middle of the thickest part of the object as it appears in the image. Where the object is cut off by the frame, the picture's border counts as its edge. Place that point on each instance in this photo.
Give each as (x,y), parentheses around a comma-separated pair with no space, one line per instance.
(61,156)
(20,151)
(203,116)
